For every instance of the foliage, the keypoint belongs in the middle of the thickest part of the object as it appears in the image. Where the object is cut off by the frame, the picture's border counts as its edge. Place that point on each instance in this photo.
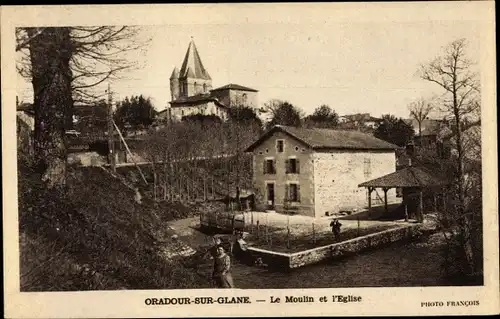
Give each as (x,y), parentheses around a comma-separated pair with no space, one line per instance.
(138,112)
(323,117)
(283,113)
(202,119)
(394,130)
(71,243)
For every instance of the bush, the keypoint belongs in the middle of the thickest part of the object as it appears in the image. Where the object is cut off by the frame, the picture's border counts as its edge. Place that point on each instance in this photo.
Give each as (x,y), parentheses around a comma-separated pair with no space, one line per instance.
(93,235)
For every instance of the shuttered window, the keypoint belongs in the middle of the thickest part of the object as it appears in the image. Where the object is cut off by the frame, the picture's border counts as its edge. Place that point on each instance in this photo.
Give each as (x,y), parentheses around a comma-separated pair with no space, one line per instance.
(292,192)
(292,166)
(269,166)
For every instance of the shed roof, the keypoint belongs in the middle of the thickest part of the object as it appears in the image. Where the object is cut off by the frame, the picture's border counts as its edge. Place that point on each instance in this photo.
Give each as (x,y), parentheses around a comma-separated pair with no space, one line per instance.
(319,138)
(408,177)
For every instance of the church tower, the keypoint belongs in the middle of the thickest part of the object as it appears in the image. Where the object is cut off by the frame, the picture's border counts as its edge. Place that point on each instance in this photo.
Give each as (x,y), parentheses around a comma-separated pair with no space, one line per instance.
(193,79)
(174,84)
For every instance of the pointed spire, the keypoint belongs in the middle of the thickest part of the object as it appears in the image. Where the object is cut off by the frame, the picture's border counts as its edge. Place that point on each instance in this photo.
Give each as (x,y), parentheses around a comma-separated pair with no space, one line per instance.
(175,74)
(192,62)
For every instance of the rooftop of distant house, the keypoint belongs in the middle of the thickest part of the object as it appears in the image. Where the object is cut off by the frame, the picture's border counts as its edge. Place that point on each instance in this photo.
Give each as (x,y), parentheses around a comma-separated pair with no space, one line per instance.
(360,117)
(319,138)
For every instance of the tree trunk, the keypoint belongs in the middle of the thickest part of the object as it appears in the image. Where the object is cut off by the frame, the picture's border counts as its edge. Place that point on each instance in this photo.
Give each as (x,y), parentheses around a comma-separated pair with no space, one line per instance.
(50,54)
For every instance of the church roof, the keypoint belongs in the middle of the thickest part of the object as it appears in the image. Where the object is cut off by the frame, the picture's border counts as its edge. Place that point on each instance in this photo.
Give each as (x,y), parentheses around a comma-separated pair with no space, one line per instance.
(196,99)
(234,87)
(192,66)
(322,139)
(175,74)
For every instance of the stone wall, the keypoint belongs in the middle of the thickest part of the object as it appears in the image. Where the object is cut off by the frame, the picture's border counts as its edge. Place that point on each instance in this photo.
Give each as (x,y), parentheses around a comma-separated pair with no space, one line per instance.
(292,148)
(337,175)
(352,246)
(337,250)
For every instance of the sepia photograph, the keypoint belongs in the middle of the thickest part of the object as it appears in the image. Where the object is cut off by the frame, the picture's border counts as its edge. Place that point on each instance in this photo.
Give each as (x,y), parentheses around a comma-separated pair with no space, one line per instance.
(238,154)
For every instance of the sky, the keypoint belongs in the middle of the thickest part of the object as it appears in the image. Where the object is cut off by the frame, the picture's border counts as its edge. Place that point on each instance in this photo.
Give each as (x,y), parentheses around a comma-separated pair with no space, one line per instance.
(365,66)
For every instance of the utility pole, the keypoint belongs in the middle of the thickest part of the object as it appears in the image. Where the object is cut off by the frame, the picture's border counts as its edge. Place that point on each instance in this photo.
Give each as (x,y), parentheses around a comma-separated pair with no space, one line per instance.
(111,142)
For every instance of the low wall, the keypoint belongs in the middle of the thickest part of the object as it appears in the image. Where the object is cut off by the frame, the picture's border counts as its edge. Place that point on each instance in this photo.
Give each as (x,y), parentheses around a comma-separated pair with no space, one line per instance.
(336,250)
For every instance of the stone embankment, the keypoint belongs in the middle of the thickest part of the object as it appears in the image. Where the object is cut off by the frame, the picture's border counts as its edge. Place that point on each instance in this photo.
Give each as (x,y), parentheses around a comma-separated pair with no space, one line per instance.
(336,250)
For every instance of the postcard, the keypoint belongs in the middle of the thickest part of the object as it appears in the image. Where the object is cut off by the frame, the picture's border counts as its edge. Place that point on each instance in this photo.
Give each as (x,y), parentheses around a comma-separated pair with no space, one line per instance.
(281,159)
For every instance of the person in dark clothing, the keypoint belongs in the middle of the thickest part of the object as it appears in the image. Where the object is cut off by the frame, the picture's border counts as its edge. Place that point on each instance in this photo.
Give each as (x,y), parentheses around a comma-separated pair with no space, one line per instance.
(335,225)
(222,266)
(212,251)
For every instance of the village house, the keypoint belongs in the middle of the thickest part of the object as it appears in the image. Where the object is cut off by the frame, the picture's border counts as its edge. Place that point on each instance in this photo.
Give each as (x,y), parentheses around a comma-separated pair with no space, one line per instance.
(315,172)
(192,93)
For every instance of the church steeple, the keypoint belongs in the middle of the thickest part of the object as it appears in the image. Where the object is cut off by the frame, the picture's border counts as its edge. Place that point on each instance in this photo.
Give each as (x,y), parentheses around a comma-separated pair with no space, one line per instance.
(192,65)
(193,77)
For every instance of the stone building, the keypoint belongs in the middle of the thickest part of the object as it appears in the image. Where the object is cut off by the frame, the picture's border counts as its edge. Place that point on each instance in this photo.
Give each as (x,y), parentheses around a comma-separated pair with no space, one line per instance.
(315,171)
(192,92)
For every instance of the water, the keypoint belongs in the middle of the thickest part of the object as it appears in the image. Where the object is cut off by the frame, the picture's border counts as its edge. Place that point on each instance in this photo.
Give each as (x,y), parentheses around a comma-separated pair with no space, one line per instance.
(397,265)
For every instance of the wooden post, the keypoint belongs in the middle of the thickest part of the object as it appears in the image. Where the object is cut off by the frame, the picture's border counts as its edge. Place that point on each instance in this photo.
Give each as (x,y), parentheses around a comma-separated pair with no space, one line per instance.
(406,211)
(111,140)
(421,208)
(370,201)
(314,233)
(385,199)
(258,232)
(288,237)
(358,226)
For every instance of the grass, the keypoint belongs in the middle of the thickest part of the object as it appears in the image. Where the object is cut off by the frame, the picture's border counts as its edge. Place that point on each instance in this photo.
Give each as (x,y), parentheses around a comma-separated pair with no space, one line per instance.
(92,235)
(277,239)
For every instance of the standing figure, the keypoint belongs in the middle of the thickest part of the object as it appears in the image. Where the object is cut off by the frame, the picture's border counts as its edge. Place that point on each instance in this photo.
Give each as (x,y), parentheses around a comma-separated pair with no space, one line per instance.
(335,225)
(222,267)
(212,251)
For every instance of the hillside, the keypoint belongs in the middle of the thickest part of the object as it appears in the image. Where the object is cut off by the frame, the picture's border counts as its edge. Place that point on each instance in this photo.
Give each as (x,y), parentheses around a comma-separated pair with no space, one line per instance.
(95,236)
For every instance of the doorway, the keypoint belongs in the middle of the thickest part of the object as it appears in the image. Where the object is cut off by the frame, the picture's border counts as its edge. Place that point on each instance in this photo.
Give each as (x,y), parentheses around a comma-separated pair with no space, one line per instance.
(270,195)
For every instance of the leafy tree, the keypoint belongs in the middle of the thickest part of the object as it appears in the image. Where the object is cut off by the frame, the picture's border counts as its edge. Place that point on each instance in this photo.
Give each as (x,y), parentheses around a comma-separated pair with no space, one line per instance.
(323,117)
(138,112)
(394,130)
(283,113)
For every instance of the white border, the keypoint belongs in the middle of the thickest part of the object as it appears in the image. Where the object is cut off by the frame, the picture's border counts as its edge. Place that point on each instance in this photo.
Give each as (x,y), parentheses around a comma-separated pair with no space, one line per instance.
(376,301)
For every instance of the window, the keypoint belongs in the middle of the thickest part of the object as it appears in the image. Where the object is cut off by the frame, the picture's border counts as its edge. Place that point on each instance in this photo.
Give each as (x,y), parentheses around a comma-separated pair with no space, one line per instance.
(269,167)
(204,87)
(292,192)
(367,168)
(280,146)
(292,166)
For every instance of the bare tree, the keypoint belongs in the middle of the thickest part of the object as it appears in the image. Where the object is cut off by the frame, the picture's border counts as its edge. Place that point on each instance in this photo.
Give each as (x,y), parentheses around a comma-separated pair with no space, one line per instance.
(64,64)
(453,72)
(99,54)
(419,111)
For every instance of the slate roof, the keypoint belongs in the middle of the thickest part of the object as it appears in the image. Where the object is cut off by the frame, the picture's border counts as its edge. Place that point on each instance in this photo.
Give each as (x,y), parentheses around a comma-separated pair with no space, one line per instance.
(192,67)
(238,87)
(407,177)
(318,139)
